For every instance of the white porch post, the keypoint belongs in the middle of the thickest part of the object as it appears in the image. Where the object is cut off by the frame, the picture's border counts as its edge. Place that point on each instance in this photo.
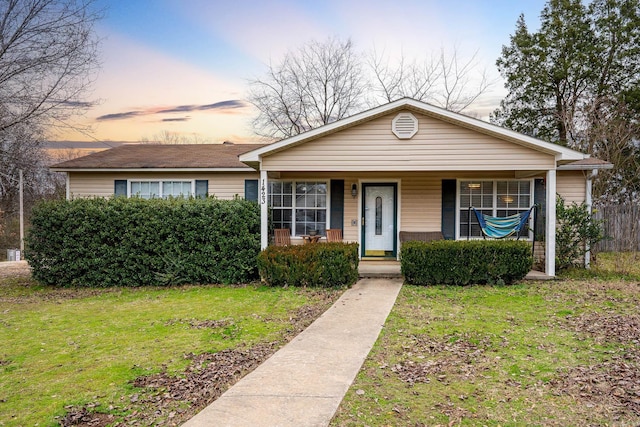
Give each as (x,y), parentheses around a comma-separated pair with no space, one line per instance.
(67,186)
(264,210)
(550,237)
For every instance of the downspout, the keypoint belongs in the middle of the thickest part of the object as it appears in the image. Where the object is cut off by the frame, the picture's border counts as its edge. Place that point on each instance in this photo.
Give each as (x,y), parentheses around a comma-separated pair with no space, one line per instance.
(589,203)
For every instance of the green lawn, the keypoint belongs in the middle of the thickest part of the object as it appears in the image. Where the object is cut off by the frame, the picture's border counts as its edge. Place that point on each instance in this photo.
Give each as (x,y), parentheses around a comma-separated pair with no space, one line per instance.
(65,348)
(565,352)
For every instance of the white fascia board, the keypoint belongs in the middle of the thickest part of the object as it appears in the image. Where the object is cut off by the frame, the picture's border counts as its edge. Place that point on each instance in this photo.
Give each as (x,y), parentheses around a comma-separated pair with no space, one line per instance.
(247,169)
(561,153)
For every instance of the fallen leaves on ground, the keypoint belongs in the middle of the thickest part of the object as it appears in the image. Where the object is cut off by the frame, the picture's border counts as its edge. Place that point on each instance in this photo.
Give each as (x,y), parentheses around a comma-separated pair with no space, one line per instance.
(452,355)
(615,382)
(165,399)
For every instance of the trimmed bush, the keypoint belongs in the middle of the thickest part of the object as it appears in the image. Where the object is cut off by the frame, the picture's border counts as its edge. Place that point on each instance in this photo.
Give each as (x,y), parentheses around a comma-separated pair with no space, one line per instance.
(449,262)
(136,242)
(319,265)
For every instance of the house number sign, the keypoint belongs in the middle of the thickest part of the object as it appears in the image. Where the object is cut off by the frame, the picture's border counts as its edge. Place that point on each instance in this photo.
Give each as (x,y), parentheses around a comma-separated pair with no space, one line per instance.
(263,192)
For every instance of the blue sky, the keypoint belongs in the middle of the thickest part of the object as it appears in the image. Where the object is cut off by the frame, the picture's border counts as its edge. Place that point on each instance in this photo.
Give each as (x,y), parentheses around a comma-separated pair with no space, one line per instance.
(182,65)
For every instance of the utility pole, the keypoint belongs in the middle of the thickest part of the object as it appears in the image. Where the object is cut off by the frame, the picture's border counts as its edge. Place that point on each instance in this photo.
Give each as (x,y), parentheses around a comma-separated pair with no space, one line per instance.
(21,214)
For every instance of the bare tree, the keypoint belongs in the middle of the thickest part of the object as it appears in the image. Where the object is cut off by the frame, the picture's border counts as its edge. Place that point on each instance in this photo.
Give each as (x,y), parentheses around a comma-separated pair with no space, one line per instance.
(616,139)
(318,84)
(324,82)
(404,79)
(20,150)
(445,80)
(169,137)
(48,59)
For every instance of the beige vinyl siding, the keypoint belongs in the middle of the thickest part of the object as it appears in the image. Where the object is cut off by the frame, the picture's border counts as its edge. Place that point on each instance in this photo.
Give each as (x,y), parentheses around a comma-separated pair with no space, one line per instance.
(571,185)
(224,185)
(421,204)
(438,146)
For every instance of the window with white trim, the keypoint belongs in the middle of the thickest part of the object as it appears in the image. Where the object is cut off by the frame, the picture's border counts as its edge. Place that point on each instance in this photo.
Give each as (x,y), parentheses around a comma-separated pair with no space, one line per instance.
(498,198)
(300,206)
(160,189)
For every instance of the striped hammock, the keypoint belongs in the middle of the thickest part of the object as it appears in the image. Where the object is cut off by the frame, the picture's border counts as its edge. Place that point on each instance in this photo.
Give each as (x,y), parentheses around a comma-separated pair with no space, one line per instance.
(501,227)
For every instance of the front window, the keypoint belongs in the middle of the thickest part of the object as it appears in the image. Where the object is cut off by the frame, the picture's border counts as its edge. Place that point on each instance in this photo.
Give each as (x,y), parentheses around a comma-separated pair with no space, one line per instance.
(162,189)
(300,206)
(494,198)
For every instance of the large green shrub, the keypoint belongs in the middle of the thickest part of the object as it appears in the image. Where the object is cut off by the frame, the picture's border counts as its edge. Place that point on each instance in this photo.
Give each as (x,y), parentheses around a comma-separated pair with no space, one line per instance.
(322,265)
(136,242)
(465,262)
(576,232)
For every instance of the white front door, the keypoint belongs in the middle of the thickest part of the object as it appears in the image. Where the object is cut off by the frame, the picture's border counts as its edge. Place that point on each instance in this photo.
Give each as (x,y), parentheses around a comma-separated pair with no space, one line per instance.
(379,220)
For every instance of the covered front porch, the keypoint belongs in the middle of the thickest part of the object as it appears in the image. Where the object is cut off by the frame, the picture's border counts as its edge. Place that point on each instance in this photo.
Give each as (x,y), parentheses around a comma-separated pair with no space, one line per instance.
(376,209)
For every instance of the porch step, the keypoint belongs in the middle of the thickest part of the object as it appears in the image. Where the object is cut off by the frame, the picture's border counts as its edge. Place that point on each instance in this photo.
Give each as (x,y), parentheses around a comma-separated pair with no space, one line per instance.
(379,269)
(372,275)
(391,270)
(538,275)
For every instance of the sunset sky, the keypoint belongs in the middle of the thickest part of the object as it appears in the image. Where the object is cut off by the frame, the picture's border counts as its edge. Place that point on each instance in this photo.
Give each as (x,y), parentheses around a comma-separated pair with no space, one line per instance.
(182,65)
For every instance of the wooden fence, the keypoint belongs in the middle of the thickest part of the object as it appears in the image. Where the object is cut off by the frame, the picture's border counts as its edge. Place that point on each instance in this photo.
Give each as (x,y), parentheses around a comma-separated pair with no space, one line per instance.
(621,228)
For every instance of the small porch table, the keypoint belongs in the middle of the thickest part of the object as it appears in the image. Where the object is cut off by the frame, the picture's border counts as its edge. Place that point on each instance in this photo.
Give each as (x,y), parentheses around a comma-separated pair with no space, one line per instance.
(310,239)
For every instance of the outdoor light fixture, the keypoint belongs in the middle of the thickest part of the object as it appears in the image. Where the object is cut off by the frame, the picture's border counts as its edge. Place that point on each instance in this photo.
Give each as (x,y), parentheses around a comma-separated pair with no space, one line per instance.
(354,190)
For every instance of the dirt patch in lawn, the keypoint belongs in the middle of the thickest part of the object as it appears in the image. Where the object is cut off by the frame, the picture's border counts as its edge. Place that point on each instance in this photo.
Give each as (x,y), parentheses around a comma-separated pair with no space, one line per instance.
(18,287)
(85,417)
(201,324)
(164,399)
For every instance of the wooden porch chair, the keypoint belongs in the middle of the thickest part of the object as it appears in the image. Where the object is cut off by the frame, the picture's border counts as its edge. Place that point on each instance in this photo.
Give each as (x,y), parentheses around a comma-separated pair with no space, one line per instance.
(334,235)
(282,236)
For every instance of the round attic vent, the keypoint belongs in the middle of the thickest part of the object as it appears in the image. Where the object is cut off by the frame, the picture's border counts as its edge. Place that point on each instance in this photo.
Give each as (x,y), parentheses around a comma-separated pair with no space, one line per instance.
(404,125)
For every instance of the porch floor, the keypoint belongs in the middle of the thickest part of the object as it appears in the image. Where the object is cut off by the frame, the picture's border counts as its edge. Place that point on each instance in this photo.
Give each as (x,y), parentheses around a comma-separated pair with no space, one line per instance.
(391,269)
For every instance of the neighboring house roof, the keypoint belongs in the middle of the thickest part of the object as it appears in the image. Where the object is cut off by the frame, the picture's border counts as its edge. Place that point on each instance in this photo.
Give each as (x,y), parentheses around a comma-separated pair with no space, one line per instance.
(562,154)
(162,156)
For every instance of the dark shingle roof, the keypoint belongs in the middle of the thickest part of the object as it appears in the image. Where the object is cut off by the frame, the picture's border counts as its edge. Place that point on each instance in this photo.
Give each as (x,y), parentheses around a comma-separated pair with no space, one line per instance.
(163,156)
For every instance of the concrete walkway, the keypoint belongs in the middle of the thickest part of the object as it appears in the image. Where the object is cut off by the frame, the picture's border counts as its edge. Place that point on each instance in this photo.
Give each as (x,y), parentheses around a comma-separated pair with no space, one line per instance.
(304,382)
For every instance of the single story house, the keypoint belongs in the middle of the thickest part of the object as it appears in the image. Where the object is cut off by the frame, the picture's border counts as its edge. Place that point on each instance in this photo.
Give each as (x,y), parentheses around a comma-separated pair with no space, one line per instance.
(402,166)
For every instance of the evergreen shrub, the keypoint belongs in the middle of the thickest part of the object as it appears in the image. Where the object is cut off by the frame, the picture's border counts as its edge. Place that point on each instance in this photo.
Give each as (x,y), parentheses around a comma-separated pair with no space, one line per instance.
(576,232)
(315,265)
(136,242)
(450,262)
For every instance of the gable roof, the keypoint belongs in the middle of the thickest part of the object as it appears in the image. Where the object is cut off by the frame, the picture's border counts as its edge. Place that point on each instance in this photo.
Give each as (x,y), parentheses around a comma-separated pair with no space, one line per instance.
(562,154)
(162,156)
